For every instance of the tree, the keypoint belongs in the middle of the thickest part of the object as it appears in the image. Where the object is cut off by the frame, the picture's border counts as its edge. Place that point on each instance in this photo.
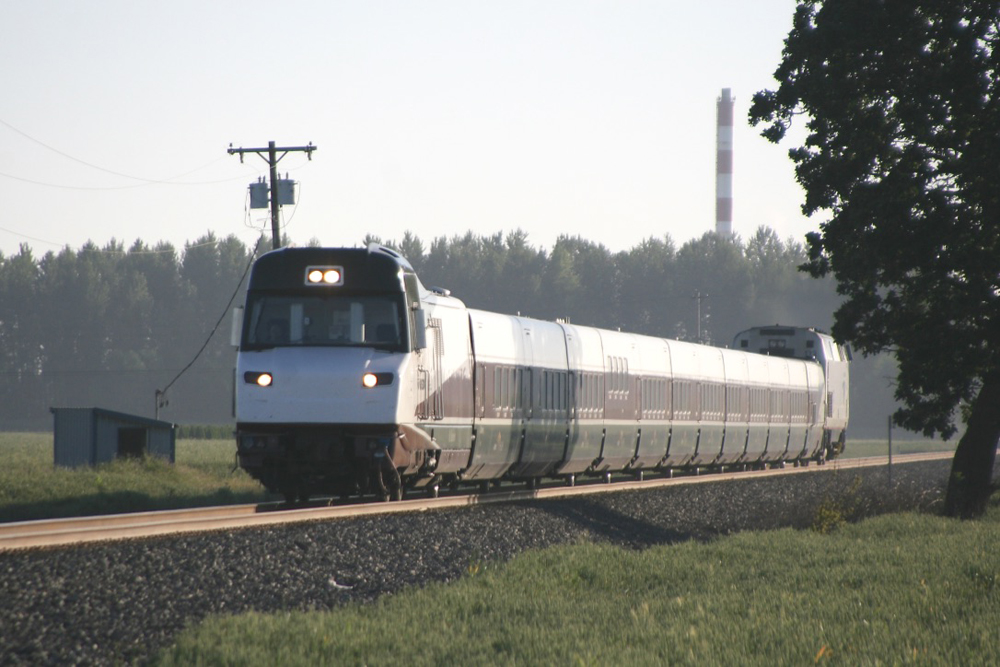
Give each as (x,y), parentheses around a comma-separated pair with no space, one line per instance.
(713,282)
(902,99)
(21,348)
(412,248)
(648,302)
(595,297)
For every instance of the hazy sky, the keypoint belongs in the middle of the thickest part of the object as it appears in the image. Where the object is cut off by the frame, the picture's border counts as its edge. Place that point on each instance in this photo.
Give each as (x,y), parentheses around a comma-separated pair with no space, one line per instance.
(571,117)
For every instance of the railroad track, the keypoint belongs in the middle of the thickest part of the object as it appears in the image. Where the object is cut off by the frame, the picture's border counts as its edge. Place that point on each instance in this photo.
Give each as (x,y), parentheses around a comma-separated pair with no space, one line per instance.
(53,532)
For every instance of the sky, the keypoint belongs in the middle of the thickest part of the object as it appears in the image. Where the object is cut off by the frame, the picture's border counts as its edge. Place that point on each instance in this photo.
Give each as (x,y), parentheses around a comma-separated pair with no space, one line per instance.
(556,117)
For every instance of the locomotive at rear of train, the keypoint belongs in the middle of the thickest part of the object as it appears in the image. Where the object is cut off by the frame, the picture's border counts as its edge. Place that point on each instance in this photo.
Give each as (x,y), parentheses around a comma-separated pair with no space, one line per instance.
(353,378)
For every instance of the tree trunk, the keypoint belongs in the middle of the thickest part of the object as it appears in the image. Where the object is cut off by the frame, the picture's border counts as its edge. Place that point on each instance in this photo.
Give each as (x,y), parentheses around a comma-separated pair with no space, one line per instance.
(971,481)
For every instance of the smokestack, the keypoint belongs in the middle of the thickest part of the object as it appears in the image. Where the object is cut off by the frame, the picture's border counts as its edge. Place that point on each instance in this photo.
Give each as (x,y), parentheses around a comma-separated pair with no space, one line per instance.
(724,164)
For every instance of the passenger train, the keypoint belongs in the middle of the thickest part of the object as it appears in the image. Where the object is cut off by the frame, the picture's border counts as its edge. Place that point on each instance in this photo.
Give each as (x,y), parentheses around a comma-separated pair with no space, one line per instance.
(353,378)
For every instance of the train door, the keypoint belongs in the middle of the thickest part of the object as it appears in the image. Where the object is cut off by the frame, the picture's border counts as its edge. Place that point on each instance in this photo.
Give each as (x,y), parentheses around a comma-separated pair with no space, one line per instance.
(585,432)
(528,402)
(499,404)
(431,406)
(621,416)
(814,440)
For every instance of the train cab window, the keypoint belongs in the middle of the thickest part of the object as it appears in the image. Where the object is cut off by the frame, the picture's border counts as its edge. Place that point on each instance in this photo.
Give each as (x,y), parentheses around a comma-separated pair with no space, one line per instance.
(318,320)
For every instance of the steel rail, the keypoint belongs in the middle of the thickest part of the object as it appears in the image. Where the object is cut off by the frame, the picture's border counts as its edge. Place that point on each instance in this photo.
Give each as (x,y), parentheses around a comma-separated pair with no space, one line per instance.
(54,532)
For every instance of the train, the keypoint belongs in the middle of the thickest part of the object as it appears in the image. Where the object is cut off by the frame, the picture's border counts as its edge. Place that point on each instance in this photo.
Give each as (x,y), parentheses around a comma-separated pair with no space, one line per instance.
(354,379)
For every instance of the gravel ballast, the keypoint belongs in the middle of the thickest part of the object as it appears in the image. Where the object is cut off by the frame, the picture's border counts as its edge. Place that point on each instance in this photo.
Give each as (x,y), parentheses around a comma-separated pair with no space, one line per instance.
(122,602)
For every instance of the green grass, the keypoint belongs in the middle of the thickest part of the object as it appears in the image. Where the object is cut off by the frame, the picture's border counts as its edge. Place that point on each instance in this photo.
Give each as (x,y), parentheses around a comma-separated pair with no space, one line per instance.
(896,589)
(31,487)
(864,448)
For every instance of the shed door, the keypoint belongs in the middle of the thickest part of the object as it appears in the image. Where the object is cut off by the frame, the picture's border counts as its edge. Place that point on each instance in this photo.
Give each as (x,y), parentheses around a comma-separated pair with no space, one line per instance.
(131,442)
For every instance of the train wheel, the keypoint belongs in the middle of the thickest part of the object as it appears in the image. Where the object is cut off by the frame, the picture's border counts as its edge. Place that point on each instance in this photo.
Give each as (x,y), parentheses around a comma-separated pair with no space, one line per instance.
(607,478)
(570,480)
(433,490)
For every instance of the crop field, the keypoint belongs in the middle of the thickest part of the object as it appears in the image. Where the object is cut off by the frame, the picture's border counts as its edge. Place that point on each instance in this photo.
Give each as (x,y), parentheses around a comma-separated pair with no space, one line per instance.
(896,589)
(31,487)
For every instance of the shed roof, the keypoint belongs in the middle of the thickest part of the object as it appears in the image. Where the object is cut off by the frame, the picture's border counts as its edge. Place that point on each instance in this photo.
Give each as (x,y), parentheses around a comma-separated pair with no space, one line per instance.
(122,416)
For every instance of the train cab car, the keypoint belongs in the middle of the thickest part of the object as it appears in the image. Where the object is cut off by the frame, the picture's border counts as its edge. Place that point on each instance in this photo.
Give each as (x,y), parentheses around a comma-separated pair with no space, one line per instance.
(832,406)
(340,351)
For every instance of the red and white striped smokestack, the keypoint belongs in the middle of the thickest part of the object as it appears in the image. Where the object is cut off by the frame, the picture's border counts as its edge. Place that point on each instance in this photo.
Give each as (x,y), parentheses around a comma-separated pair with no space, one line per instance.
(724,164)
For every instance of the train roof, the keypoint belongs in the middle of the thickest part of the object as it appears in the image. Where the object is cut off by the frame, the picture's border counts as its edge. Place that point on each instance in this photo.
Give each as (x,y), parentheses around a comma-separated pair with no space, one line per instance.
(784,341)
(375,268)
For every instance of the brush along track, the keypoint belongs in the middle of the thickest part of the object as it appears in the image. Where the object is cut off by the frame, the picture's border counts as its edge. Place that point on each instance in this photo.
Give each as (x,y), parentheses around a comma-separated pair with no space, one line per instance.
(52,532)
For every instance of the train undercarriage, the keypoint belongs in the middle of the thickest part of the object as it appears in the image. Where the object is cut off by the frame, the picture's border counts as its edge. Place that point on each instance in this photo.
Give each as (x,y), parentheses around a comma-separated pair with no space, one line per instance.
(305,462)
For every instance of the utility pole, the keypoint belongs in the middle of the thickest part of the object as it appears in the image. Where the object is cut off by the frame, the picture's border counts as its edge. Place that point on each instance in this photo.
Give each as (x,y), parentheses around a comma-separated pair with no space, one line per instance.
(272,160)
(698,296)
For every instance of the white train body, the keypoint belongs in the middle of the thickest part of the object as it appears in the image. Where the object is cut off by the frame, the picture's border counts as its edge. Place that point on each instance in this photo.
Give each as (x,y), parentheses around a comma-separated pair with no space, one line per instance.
(352,377)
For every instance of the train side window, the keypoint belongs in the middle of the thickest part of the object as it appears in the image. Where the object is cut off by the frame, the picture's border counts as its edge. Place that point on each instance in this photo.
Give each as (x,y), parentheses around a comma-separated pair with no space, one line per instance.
(682,399)
(563,387)
(613,370)
(570,390)
(514,388)
(497,387)
(551,381)
(555,389)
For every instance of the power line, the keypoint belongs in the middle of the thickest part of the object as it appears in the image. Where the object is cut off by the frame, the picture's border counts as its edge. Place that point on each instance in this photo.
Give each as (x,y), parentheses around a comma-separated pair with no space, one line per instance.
(113,252)
(160,402)
(99,188)
(144,181)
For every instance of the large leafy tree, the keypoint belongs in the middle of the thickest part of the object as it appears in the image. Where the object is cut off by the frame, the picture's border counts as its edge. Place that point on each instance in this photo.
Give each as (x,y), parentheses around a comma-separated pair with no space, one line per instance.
(900,100)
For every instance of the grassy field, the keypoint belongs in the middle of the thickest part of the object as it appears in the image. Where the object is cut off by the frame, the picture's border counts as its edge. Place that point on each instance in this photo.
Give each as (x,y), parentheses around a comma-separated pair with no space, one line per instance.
(897,589)
(864,448)
(31,487)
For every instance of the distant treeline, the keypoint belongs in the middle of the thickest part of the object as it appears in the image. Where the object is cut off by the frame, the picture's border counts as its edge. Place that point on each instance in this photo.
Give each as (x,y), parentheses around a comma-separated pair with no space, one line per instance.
(654,288)
(109,326)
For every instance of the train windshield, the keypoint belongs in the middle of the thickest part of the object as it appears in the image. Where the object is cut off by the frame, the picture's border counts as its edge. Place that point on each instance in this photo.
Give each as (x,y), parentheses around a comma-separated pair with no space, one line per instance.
(324,320)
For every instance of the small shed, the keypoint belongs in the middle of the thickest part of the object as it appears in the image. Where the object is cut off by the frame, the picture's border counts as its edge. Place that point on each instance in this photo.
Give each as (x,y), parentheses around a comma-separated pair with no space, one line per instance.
(88,436)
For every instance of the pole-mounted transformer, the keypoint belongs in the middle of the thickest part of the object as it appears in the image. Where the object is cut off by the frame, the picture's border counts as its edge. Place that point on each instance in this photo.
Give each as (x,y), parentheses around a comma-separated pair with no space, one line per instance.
(260,193)
(281,191)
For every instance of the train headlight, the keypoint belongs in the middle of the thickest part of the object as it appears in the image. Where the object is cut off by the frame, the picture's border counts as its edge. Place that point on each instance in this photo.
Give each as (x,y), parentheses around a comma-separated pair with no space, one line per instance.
(324,275)
(259,379)
(371,380)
